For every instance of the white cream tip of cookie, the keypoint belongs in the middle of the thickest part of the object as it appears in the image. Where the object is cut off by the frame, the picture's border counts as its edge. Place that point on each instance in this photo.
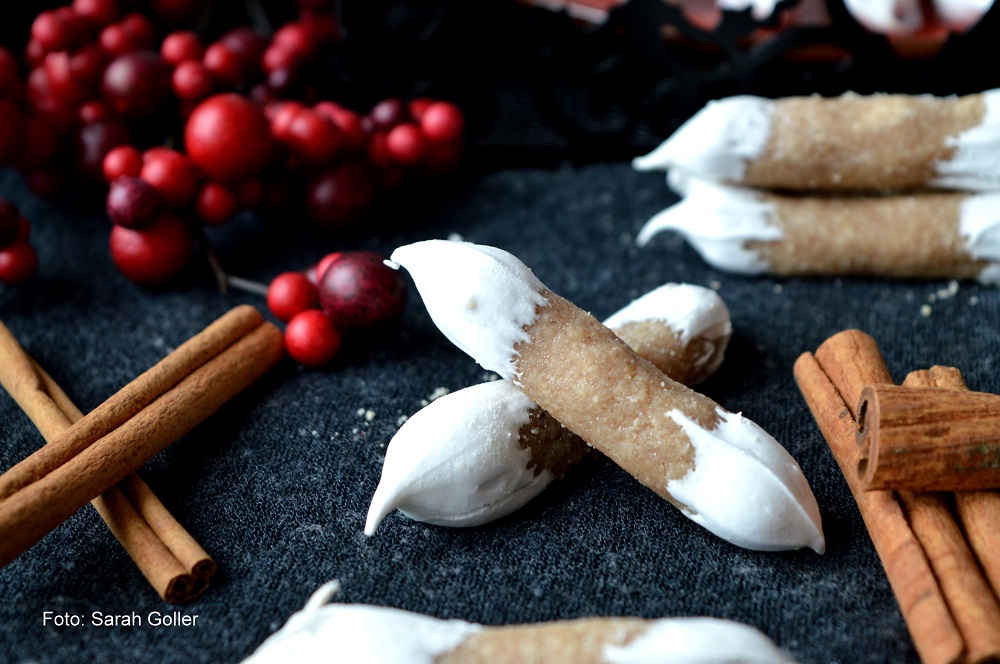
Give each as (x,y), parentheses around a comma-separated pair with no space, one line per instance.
(690,311)
(979,227)
(458,461)
(361,633)
(746,488)
(697,641)
(974,165)
(961,14)
(479,296)
(887,16)
(717,142)
(719,221)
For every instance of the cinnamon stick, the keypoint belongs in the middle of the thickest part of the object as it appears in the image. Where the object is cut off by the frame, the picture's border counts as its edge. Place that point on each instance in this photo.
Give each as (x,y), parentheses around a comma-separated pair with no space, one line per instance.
(932,628)
(20,376)
(921,438)
(166,541)
(978,511)
(32,511)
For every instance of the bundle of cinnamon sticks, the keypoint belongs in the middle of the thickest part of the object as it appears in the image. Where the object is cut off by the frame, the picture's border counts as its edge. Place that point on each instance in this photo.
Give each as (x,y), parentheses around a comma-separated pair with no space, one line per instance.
(940,550)
(94,457)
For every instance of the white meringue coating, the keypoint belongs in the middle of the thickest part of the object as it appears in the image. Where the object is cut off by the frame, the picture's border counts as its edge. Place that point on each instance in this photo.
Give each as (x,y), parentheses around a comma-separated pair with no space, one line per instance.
(746,488)
(479,296)
(323,632)
(975,163)
(718,221)
(979,226)
(887,16)
(458,462)
(716,142)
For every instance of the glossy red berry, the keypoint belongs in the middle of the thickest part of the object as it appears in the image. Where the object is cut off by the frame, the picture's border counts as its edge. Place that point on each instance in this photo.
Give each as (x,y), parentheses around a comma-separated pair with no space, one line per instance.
(55,31)
(135,85)
(92,143)
(97,12)
(133,202)
(291,293)
(312,339)
(442,121)
(347,121)
(181,46)
(172,173)
(152,256)
(359,290)
(18,263)
(215,204)
(314,138)
(388,113)
(407,144)
(10,220)
(191,80)
(122,160)
(228,137)
(324,264)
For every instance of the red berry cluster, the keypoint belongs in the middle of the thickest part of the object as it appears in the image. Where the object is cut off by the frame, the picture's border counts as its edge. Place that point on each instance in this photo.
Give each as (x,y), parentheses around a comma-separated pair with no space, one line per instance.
(18,261)
(344,294)
(102,82)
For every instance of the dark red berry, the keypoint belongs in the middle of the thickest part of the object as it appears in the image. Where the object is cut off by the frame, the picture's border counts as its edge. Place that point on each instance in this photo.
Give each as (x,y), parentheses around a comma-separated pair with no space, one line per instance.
(191,80)
(324,264)
(291,293)
(10,220)
(133,202)
(140,29)
(388,113)
(340,196)
(313,137)
(347,121)
(39,144)
(93,142)
(122,160)
(54,32)
(98,12)
(312,339)
(172,173)
(10,82)
(359,290)
(136,84)
(93,111)
(228,137)
(152,256)
(18,263)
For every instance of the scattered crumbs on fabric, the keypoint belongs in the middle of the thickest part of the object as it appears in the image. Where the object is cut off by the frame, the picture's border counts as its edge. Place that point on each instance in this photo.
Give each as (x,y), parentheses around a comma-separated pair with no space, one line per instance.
(925,310)
(435,395)
(778,289)
(715,284)
(366,413)
(950,291)
(973,300)
(401,420)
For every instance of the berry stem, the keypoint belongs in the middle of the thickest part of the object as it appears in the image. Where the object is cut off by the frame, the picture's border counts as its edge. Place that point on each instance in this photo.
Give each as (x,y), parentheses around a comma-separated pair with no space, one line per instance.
(247,285)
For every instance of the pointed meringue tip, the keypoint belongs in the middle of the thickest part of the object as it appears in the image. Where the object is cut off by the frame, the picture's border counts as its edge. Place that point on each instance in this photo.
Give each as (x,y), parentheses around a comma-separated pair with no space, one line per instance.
(380,508)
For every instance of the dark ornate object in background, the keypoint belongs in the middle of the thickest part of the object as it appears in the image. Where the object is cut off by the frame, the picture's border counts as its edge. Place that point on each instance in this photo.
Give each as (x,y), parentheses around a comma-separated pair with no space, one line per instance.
(539,85)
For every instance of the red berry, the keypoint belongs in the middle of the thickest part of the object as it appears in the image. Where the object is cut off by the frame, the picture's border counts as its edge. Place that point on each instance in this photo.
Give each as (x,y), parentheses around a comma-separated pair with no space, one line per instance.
(291,293)
(192,81)
(64,86)
(93,111)
(140,29)
(215,204)
(276,58)
(340,196)
(359,290)
(442,121)
(347,121)
(378,152)
(311,338)
(93,142)
(98,12)
(154,255)
(88,64)
(122,160)
(407,144)
(133,202)
(281,116)
(228,137)
(115,40)
(324,264)
(10,221)
(18,263)
(314,138)
(297,39)
(54,32)
(172,173)
(181,46)
(135,85)
(418,106)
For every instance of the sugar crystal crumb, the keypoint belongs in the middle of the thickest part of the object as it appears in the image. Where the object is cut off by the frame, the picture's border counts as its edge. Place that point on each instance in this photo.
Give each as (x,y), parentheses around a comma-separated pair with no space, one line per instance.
(925,310)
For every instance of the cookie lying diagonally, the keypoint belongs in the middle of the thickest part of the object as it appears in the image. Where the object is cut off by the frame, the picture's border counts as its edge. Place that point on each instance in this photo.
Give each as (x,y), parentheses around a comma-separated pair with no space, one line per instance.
(482,452)
(380,635)
(719,468)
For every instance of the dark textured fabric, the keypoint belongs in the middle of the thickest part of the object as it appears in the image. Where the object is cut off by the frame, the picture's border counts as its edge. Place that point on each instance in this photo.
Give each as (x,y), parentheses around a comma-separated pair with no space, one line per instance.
(276,484)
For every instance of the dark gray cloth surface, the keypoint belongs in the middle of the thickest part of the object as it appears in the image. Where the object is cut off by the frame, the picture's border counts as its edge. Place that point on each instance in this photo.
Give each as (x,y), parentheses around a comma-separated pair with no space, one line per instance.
(276,484)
